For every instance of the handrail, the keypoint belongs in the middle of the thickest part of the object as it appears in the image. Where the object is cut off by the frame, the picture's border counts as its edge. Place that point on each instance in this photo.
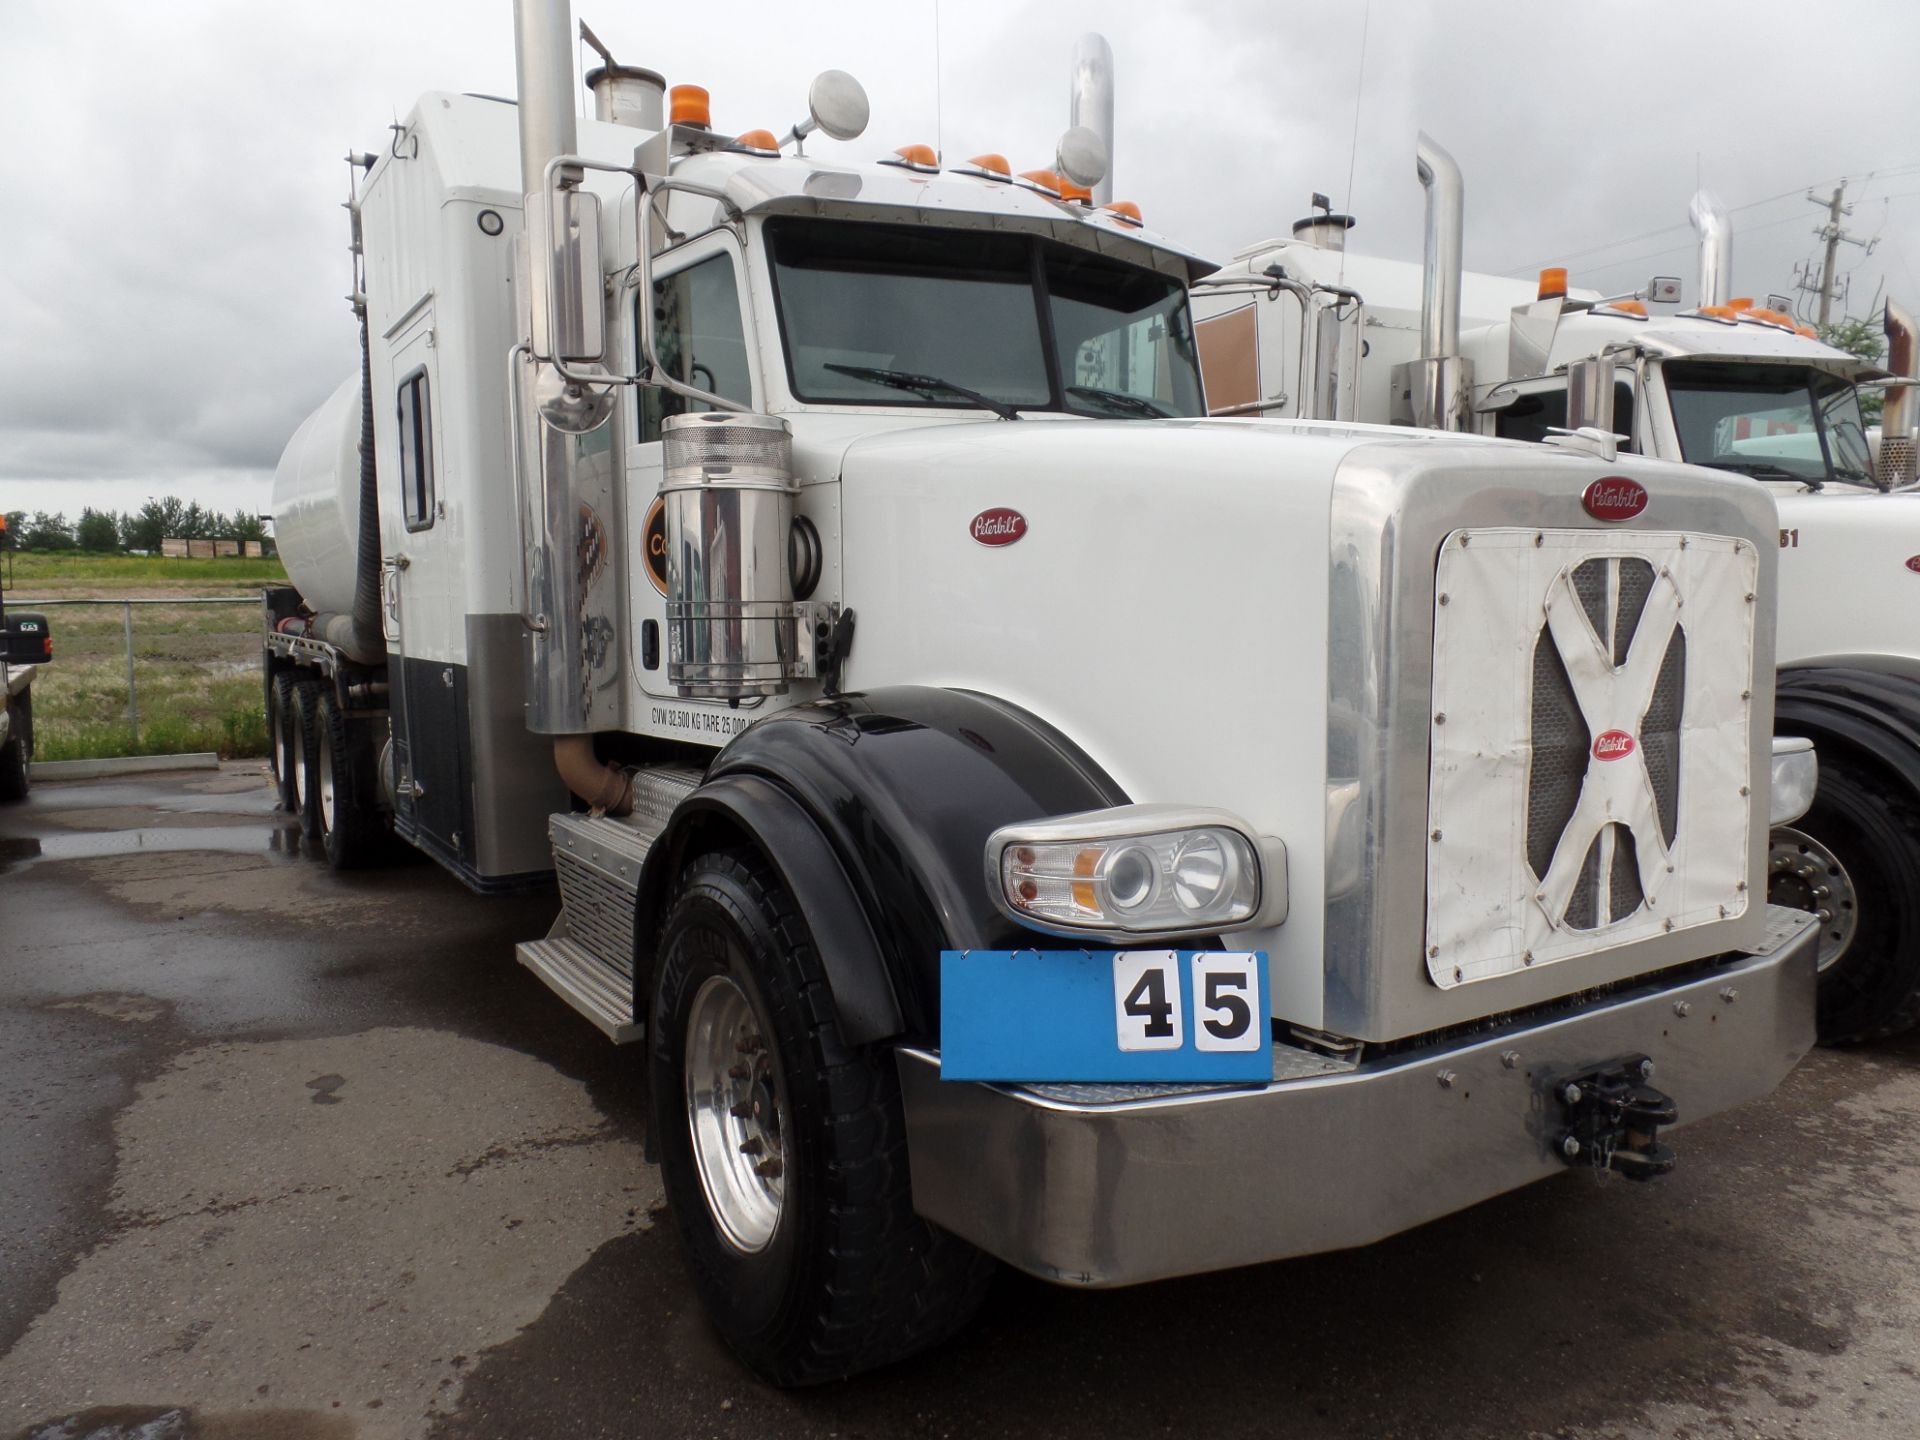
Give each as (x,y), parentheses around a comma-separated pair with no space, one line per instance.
(533,622)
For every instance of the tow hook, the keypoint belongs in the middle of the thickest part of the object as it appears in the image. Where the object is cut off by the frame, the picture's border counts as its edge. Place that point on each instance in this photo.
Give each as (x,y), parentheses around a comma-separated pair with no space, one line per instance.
(1610,1119)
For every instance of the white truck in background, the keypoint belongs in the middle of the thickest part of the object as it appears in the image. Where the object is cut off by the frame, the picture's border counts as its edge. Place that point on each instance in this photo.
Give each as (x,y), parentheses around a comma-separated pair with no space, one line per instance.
(26,645)
(825,570)
(1302,328)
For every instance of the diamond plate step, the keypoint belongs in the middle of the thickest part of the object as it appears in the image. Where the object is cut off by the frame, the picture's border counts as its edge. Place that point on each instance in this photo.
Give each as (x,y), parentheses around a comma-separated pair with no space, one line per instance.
(596,989)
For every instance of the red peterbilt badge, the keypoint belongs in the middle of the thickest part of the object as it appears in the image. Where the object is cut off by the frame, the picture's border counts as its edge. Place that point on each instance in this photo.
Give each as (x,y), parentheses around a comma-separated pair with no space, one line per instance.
(1612,745)
(1614,498)
(1913,563)
(999,526)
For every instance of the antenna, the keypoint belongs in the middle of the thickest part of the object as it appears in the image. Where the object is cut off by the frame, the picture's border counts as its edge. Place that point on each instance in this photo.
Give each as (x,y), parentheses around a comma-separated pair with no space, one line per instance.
(939,134)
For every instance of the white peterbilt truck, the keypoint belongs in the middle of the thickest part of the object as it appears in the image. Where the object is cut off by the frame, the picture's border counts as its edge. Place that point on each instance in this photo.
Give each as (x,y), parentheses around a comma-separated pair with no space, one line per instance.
(825,570)
(1300,327)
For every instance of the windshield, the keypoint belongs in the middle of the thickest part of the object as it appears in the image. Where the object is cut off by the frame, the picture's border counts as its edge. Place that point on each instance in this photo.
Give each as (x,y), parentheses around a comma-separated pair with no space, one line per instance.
(1774,422)
(919,315)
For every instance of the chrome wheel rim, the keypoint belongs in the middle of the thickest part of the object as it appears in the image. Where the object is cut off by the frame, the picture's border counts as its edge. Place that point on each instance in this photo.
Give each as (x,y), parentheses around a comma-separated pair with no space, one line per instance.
(1803,874)
(736,1115)
(325,797)
(299,769)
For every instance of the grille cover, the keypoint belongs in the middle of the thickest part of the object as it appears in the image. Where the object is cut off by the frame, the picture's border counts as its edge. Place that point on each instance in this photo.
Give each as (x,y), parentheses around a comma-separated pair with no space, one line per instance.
(1586,779)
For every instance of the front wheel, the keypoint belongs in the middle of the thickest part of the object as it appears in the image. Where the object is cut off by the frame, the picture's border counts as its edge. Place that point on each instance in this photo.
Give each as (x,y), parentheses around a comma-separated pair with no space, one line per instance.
(1854,861)
(782,1150)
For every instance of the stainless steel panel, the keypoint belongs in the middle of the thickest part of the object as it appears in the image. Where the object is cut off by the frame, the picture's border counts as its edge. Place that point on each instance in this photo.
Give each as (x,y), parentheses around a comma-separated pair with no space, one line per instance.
(1392,507)
(515,787)
(1105,1194)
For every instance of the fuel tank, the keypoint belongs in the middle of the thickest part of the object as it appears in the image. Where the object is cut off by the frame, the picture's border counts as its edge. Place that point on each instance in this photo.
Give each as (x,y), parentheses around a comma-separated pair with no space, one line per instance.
(316,501)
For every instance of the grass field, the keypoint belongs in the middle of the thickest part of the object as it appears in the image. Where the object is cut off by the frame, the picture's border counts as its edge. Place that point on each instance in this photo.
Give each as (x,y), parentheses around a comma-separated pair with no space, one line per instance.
(196,667)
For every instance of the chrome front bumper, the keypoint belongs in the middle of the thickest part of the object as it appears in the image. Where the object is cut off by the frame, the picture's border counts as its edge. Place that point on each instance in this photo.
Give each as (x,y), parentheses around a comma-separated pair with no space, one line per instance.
(1097,1186)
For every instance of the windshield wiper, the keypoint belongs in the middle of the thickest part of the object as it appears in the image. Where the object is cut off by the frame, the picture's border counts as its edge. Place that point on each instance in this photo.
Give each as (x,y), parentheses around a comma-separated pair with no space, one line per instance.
(1121,400)
(924,385)
(1763,470)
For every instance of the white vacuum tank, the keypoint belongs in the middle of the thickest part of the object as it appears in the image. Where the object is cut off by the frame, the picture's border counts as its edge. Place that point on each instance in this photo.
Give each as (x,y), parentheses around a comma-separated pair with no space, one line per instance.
(316,501)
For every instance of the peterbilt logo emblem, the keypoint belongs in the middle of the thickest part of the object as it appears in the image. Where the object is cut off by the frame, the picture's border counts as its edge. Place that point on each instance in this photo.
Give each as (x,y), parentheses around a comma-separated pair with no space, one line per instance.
(1612,745)
(999,526)
(1913,563)
(1614,498)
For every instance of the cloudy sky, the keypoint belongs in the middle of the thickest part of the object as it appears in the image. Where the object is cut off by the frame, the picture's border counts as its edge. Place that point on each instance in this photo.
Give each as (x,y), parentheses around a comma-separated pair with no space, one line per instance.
(173,259)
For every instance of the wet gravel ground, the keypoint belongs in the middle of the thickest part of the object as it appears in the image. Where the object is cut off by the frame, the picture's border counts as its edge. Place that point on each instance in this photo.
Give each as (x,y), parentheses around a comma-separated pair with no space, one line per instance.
(290,1154)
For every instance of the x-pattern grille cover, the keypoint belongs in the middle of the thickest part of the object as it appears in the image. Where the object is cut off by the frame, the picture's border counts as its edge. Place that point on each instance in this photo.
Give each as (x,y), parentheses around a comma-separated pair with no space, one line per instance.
(1585,790)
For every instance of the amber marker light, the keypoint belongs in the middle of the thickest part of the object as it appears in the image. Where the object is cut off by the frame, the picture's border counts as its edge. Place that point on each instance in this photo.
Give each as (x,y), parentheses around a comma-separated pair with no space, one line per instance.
(1740,303)
(1084,866)
(757,142)
(1042,180)
(991,166)
(1553,283)
(1124,210)
(1627,307)
(920,159)
(691,105)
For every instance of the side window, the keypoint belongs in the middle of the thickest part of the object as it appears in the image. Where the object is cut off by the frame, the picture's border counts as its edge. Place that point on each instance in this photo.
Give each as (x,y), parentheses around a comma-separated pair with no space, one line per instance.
(699,339)
(416,451)
(1537,415)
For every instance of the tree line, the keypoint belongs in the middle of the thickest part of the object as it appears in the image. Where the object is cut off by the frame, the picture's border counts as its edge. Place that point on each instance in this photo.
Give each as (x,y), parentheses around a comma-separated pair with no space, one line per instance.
(107,532)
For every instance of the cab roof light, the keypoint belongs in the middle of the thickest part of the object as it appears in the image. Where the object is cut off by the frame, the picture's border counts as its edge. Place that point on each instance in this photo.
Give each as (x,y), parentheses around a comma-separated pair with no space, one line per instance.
(1806,330)
(756,142)
(990,166)
(918,158)
(1125,211)
(1725,314)
(1740,302)
(1637,309)
(1051,182)
(690,105)
(1553,283)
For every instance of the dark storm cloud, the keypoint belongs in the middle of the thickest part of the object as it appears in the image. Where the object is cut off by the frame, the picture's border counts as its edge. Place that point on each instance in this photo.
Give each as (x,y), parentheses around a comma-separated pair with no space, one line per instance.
(173,292)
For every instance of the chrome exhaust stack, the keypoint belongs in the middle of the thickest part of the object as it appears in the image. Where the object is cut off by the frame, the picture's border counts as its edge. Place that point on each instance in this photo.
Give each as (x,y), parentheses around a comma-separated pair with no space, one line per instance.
(1710,219)
(570,509)
(1435,391)
(1090,103)
(1900,413)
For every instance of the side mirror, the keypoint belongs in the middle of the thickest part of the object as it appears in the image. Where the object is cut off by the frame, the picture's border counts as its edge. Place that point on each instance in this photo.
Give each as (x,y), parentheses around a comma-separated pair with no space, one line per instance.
(1082,156)
(563,237)
(836,107)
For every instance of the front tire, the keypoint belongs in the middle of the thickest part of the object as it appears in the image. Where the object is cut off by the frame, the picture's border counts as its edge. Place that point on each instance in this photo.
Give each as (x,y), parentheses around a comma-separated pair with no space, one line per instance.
(782,1150)
(1855,859)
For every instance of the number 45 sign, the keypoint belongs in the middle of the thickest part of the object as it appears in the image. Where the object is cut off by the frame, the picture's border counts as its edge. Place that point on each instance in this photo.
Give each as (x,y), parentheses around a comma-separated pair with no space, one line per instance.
(1146,1015)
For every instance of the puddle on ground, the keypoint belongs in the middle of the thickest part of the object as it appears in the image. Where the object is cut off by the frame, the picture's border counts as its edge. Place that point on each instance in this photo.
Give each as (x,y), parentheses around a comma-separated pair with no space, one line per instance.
(17,852)
(97,844)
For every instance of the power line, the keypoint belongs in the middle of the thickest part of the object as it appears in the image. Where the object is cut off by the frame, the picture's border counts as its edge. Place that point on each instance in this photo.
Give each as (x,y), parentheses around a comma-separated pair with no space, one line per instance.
(1881,173)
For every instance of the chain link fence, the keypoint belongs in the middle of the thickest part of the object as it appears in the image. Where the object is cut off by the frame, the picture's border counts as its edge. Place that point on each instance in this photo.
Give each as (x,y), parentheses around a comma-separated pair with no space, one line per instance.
(162,676)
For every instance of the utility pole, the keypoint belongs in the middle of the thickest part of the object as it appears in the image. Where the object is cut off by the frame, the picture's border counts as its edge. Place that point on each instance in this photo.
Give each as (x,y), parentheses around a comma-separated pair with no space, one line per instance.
(1833,233)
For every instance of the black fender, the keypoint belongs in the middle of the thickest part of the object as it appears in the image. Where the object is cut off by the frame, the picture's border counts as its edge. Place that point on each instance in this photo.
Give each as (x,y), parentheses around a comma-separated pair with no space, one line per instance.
(1874,715)
(875,808)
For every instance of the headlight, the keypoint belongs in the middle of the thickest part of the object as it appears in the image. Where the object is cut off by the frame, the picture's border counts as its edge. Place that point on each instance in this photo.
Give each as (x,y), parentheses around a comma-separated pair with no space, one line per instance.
(1138,870)
(1796,774)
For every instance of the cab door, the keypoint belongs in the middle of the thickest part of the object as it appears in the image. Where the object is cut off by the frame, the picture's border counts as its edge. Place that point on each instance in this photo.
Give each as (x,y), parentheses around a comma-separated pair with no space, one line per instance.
(426,674)
(700,337)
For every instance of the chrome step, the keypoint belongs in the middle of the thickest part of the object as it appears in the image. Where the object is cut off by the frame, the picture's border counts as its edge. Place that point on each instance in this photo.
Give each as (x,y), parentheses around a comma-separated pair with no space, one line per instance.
(596,989)
(598,860)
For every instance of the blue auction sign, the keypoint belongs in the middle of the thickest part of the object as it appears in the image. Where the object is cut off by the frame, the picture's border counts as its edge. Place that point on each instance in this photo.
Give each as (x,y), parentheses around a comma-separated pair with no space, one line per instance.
(1115,1015)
